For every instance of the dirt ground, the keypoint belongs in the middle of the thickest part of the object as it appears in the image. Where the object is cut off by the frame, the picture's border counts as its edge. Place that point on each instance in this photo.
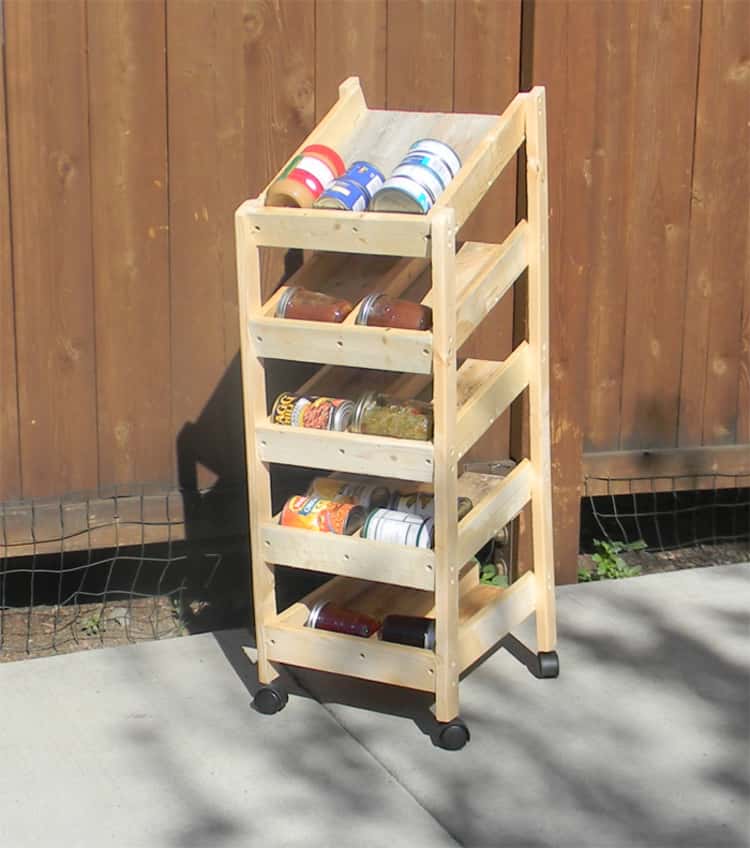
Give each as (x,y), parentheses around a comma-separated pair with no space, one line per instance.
(42,631)
(698,556)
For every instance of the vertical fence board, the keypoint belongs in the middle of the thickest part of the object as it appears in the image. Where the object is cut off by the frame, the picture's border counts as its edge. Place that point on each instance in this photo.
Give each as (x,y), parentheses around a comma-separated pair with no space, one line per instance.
(719,256)
(658,206)
(10,466)
(487,56)
(51,217)
(420,55)
(349,41)
(127,105)
(607,170)
(241,98)
(568,30)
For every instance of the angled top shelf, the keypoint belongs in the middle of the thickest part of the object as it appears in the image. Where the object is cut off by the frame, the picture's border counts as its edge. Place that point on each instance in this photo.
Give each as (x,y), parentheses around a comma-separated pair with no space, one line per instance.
(485,144)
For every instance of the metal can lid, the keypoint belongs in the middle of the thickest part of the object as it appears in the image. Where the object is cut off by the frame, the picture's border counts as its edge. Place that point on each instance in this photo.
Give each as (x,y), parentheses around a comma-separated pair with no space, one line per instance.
(284,301)
(401,194)
(341,415)
(355,519)
(445,151)
(360,406)
(429,635)
(426,534)
(363,316)
(312,619)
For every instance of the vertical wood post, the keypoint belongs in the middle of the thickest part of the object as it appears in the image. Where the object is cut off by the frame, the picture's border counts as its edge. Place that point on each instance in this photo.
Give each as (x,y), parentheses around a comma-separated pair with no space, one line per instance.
(254,404)
(445,463)
(539,417)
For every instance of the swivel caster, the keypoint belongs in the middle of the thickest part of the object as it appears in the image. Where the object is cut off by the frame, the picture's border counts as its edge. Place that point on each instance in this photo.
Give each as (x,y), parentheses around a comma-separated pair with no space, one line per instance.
(452,735)
(270,699)
(548,664)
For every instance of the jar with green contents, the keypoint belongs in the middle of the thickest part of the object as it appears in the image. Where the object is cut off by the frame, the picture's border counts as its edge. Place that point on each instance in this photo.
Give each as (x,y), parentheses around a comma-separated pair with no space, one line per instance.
(381,415)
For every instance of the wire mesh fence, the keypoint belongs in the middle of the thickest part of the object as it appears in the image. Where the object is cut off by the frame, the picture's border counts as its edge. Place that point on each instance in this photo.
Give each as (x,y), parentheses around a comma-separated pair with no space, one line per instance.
(119,567)
(704,525)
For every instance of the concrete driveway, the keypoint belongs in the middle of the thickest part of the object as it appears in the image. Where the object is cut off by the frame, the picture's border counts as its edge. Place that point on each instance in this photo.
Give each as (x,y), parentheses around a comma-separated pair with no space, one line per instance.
(642,741)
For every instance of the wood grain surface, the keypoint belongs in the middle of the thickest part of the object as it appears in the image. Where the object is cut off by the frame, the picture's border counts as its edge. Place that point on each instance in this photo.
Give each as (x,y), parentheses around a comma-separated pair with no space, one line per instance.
(47,103)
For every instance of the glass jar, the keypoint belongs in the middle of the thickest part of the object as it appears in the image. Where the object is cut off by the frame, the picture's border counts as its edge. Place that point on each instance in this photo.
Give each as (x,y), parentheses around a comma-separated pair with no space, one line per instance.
(305,305)
(327,616)
(381,415)
(409,630)
(380,310)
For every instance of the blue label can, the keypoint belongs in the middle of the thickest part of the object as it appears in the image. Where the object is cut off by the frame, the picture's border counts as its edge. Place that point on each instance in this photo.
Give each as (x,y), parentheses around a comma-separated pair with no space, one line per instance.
(344,194)
(365,175)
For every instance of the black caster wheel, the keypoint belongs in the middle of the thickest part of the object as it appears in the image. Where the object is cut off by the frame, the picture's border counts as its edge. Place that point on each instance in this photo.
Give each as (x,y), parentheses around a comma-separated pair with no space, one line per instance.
(548,664)
(452,735)
(270,699)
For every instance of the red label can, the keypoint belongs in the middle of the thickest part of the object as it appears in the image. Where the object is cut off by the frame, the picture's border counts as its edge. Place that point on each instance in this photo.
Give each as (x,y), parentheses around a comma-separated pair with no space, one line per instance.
(322,516)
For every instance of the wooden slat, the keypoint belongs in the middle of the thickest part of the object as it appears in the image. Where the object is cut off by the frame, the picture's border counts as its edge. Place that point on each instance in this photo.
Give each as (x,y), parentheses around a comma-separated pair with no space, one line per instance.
(672,469)
(484,273)
(420,55)
(658,210)
(127,123)
(568,29)
(342,344)
(353,452)
(502,502)
(490,387)
(349,41)
(719,256)
(381,233)
(496,617)
(486,162)
(96,523)
(45,44)
(349,555)
(486,76)
(367,659)
(241,98)
(10,448)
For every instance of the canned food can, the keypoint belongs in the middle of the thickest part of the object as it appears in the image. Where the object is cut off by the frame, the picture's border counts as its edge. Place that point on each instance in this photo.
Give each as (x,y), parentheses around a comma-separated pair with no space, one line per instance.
(401,528)
(423,504)
(409,630)
(366,175)
(402,194)
(327,616)
(318,413)
(440,149)
(365,494)
(432,163)
(425,177)
(343,194)
(307,179)
(322,515)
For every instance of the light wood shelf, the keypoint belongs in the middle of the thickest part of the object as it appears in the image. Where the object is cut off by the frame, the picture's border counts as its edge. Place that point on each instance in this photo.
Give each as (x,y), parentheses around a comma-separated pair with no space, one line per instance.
(414,256)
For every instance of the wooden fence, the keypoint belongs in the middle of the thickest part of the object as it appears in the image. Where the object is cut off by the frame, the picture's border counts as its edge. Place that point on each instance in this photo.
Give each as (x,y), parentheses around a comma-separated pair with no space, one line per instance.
(129,132)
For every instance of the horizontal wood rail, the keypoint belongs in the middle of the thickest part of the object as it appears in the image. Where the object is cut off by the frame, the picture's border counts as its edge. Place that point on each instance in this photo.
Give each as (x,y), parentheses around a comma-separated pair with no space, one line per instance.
(490,388)
(381,456)
(495,616)
(504,499)
(665,470)
(351,556)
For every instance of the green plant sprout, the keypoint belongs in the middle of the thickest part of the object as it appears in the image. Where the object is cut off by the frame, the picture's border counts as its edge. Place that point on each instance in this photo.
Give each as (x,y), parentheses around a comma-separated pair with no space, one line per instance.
(609,564)
(92,626)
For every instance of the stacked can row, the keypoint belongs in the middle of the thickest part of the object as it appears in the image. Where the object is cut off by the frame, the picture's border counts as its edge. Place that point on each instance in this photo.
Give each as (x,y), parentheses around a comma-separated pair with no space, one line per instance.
(373,413)
(318,178)
(334,505)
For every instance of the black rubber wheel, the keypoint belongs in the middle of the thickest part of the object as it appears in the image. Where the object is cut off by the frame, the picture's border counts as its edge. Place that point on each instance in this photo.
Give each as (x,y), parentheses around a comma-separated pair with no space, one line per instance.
(453,735)
(270,699)
(549,664)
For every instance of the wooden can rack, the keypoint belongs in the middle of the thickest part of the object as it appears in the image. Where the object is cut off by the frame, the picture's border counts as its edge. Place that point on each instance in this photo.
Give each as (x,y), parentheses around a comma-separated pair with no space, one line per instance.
(414,255)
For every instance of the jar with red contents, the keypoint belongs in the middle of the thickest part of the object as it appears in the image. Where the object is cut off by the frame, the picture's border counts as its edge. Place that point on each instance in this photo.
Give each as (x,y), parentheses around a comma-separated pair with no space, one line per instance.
(304,305)
(327,616)
(306,177)
(380,310)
